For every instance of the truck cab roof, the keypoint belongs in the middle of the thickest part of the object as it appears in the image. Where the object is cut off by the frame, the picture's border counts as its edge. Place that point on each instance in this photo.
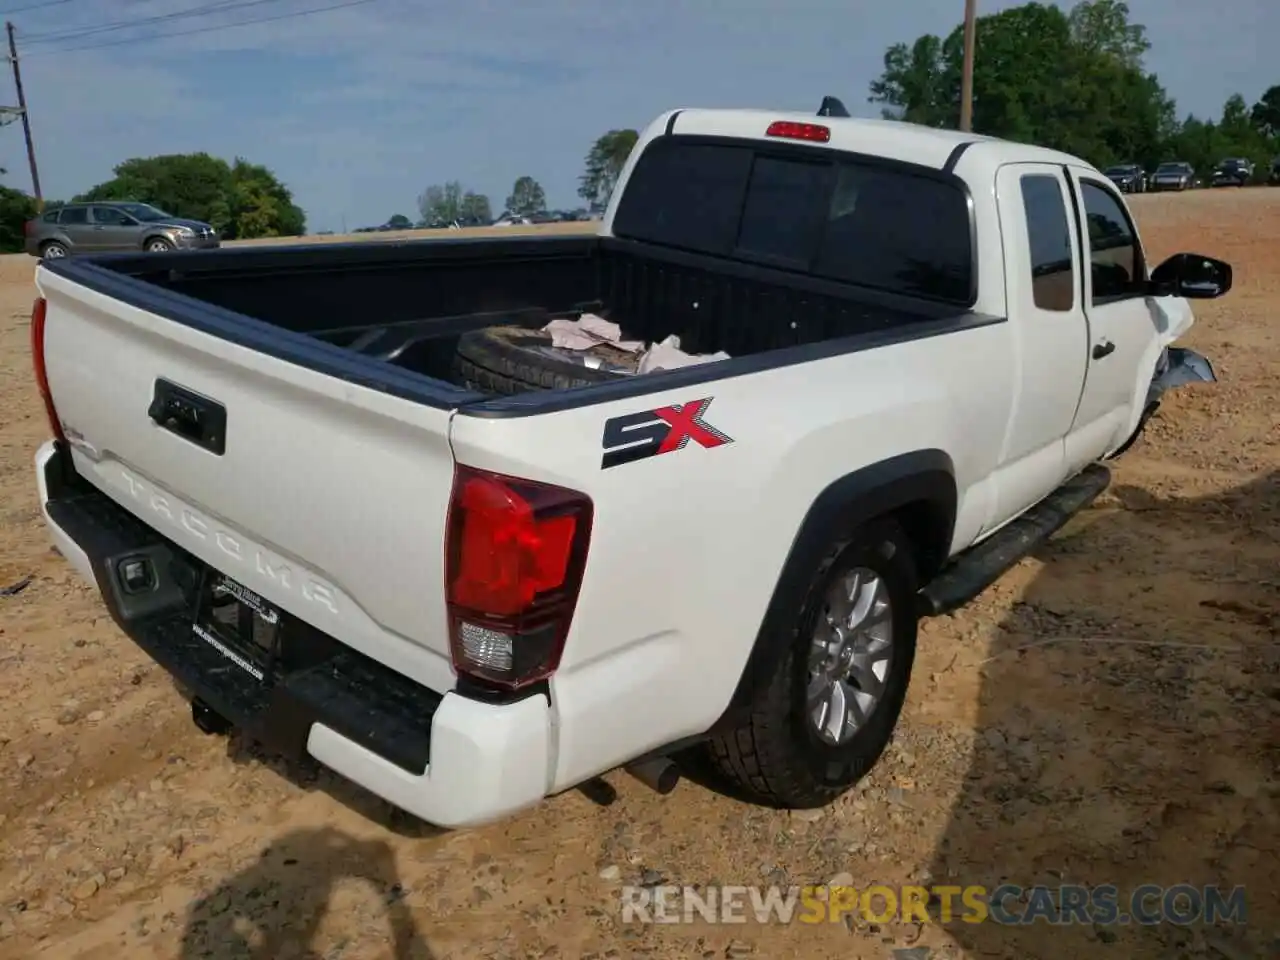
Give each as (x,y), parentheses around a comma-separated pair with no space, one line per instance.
(894,139)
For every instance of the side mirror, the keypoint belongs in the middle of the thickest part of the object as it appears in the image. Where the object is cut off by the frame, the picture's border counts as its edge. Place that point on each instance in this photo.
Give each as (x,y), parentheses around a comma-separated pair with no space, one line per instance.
(1191,275)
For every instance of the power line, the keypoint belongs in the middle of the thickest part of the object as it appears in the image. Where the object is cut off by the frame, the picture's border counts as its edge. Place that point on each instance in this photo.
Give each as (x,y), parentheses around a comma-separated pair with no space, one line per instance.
(208,29)
(32,6)
(78,32)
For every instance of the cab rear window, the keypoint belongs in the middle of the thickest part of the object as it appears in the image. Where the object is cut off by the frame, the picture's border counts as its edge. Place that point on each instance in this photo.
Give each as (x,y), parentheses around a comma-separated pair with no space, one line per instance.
(819,212)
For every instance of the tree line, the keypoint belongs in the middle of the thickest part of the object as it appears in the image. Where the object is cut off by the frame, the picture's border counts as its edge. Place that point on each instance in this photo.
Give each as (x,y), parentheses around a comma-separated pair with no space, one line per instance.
(241,200)
(450,202)
(441,204)
(1074,82)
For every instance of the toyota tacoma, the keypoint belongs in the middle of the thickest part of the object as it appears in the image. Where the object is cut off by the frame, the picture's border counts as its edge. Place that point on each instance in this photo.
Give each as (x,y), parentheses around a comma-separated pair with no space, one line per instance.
(357,524)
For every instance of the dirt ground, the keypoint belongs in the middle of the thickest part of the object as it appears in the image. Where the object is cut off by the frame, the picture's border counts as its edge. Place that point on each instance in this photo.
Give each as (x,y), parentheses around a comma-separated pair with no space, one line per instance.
(1109,712)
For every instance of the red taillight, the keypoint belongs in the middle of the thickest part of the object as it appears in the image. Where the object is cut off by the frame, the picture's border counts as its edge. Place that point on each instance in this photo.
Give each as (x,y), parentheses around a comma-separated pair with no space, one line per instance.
(39,311)
(516,551)
(790,130)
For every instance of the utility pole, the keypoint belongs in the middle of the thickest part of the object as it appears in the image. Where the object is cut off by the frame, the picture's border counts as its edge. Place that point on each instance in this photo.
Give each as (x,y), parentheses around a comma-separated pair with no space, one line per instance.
(966,75)
(26,118)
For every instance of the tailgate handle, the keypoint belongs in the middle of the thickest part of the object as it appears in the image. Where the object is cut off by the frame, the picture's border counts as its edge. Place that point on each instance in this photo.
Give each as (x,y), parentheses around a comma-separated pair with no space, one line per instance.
(194,418)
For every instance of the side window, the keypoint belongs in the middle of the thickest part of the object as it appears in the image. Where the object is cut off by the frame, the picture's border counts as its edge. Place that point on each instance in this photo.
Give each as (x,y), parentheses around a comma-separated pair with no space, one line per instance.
(1115,261)
(1053,279)
(51,216)
(109,216)
(74,215)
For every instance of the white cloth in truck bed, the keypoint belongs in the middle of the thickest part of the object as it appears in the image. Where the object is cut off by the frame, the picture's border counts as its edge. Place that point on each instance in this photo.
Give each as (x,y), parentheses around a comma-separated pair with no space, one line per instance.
(591,330)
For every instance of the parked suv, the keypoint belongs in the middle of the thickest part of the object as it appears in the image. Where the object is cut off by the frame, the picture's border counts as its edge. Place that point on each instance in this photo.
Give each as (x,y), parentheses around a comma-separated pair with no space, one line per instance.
(108,227)
(1129,177)
(1232,172)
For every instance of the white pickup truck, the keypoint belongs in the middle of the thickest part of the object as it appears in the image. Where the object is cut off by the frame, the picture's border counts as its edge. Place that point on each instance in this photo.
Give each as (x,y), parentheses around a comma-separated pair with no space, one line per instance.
(329,492)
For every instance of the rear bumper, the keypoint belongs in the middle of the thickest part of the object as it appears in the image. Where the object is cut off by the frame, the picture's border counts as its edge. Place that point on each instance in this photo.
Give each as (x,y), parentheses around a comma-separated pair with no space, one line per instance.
(448,759)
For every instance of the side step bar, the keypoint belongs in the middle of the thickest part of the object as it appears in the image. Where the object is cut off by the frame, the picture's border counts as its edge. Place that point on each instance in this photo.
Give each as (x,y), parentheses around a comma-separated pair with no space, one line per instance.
(981,565)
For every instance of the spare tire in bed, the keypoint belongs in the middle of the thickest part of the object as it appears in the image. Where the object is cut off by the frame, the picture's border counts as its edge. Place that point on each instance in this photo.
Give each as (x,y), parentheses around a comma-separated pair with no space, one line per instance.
(511,360)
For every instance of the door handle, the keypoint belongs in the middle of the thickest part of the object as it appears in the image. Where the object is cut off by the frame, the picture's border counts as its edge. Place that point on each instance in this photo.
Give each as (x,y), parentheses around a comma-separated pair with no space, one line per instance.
(1102,349)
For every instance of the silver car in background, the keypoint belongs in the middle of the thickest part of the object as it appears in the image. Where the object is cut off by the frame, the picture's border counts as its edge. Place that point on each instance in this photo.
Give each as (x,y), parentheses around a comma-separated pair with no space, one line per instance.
(108,227)
(1174,175)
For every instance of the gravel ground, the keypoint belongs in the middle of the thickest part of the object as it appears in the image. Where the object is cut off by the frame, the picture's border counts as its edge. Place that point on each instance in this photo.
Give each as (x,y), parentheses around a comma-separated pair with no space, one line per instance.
(1107,713)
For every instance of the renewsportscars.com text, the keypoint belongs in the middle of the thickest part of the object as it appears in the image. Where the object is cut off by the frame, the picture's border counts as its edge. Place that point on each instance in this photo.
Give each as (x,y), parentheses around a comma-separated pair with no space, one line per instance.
(1007,904)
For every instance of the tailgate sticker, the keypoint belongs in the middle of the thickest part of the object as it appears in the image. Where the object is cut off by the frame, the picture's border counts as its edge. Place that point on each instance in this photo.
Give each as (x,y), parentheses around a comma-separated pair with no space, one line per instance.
(228,587)
(227,652)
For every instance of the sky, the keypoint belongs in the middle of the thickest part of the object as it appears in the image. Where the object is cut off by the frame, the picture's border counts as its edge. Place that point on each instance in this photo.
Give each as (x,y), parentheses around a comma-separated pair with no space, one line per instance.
(359,109)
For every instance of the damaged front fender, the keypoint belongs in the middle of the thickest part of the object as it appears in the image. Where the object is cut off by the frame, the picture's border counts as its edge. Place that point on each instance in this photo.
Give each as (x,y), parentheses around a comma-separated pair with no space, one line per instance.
(1178,366)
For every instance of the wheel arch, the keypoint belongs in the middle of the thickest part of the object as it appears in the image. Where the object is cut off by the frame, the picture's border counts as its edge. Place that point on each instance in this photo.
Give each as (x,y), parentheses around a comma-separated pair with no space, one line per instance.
(918,489)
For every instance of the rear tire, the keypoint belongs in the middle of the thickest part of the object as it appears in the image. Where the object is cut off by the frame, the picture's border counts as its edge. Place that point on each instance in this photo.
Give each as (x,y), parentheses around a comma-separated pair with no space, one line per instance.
(53,250)
(778,757)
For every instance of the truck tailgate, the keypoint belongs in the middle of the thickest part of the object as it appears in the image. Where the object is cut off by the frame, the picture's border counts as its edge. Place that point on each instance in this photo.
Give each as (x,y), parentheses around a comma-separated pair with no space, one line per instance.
(327,498)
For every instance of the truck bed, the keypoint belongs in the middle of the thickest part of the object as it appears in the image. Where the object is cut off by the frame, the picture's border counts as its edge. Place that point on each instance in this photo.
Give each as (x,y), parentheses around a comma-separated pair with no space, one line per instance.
(388,315)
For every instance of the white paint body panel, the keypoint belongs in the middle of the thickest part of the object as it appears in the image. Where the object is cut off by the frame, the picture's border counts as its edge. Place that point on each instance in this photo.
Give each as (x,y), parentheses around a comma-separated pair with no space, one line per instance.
(300,504)
(347,488)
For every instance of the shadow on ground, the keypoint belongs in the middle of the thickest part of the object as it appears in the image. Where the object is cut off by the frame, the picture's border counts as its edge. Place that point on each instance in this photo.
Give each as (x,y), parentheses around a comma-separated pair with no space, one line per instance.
(1128,731)
(307,774)
(272,910)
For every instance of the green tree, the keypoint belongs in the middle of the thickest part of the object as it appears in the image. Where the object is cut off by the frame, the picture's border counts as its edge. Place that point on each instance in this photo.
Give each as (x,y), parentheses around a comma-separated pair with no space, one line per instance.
(1195,141)
(1040,76)
(441,203)
(1204,143)
(475,206)
(1265,114)
(919,84)
(398,221)
(1235,117)
(527,197)
(262,206)
(16,208)
(1103,28)
(243,200)
(604,163)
